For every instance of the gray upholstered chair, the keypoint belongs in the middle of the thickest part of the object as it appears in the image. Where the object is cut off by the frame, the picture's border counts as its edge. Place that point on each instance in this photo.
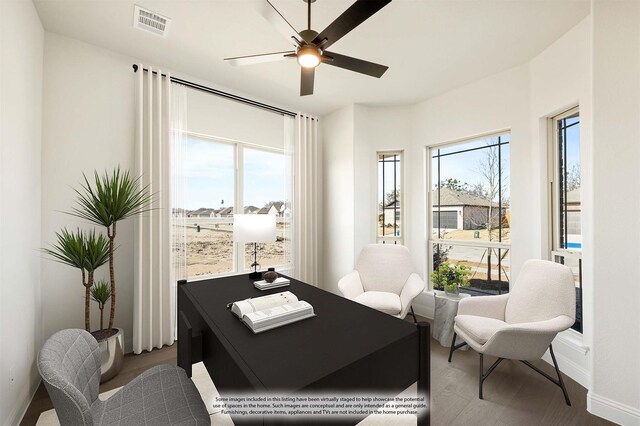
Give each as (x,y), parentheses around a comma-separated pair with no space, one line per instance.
(384,279)
(69,364)
(522,324)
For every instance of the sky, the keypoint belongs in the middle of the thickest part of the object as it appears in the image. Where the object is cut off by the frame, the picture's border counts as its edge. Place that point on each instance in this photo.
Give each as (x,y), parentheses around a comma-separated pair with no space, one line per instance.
(465,166)
(573,143)
(210,175)
(210,171)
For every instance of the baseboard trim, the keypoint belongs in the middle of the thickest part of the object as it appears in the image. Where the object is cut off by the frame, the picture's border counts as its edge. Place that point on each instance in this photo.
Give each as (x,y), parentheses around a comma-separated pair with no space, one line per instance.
(569,367)
(18,413)
(612,410)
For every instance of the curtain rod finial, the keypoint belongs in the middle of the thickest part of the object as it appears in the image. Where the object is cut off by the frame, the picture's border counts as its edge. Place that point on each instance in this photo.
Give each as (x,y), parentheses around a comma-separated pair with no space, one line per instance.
(135,67)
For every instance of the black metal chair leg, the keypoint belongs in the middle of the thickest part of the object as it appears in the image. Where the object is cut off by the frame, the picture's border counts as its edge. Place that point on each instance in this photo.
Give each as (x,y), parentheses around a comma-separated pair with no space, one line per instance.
(560,381)
(481,378)
(414,316)
(484,375)
(453,346)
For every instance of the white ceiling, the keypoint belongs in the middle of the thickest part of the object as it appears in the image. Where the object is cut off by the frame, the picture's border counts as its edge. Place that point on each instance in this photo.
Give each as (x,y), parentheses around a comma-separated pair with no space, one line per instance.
(430,46)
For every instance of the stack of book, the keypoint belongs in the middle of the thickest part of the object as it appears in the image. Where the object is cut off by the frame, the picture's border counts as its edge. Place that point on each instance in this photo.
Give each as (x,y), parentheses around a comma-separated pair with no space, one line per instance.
(264,285)
(267,312)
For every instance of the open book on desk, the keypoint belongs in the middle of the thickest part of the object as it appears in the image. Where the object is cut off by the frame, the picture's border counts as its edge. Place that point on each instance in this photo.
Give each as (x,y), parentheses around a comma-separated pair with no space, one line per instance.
(267,312)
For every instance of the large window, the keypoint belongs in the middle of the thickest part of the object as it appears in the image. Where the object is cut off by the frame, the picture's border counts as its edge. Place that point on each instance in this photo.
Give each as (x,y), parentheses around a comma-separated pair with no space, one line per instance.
(469,203)
(389,220)
(566,205)
(216,190)
(210,191)
(265,192)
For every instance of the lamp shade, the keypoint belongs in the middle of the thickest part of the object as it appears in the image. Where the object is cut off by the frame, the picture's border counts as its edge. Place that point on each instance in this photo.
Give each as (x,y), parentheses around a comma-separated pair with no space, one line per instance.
(254,228)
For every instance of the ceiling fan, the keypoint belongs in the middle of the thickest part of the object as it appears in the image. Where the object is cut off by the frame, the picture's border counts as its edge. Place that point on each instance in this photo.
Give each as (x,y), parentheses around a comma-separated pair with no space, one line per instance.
(310,46)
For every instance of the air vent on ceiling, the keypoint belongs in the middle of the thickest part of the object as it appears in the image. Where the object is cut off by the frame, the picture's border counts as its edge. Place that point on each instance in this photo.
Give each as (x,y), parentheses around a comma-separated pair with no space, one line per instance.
(146,20)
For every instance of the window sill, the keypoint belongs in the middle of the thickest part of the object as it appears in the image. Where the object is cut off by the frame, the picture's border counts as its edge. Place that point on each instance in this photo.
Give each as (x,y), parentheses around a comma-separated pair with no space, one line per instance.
(573,340)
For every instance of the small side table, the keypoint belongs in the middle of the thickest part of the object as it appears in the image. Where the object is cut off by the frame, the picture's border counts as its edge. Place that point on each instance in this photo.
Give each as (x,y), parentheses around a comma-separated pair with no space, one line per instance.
(446,309)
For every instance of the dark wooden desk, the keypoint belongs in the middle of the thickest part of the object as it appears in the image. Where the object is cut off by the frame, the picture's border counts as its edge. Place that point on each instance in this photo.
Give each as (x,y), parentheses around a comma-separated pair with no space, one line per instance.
(347,346)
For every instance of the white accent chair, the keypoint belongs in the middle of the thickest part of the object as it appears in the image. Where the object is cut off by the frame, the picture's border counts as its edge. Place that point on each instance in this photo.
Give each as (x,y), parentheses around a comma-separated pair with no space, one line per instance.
(522,324)
(384,279)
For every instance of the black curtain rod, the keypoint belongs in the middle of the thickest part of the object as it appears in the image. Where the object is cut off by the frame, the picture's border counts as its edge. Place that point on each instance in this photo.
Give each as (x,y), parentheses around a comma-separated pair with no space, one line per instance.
(223,94)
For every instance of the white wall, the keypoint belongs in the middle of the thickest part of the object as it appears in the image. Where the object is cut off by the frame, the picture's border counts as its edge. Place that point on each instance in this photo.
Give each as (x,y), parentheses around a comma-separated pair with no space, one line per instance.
(497,103)
(518,100)
(561,79)
(89,124)
(338,196)
(351,138)
(21,52)
(376,129)
(615,390)
(217,116)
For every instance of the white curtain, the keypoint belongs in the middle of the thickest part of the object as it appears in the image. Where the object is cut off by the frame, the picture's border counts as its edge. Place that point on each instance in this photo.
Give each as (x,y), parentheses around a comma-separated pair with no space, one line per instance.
(301,143)
(178,195)
(159,122)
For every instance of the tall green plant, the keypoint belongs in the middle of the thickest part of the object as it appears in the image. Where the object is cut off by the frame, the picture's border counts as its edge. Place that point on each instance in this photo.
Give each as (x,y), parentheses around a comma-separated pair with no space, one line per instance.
(107,200)
(84,250)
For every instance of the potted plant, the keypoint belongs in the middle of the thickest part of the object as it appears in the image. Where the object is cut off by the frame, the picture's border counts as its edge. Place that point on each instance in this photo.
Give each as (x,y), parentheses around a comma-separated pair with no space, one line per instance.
(110,198)
(449,277)
(86,251)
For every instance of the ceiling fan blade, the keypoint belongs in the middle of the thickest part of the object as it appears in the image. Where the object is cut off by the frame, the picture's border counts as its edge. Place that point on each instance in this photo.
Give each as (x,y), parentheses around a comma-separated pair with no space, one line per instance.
(271,14)
(354,64)
(306,81)
(257,59)
(359,12)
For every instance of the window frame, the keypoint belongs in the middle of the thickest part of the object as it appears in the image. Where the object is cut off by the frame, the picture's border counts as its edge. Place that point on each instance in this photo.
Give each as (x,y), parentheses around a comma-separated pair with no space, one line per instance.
(555,252)
(238,262)
(390,239)
(554,179)
(430,240)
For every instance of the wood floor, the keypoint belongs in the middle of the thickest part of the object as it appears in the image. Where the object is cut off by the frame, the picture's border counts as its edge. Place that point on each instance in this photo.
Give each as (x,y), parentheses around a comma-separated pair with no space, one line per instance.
(513,394)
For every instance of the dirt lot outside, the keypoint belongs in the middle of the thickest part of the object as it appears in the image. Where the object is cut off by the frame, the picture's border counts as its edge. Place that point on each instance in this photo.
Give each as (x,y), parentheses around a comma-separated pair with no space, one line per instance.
(210,251)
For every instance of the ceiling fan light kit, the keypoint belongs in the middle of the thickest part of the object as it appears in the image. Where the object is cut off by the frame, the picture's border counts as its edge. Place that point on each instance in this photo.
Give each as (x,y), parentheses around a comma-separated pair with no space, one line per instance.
(309,56)
(310,46)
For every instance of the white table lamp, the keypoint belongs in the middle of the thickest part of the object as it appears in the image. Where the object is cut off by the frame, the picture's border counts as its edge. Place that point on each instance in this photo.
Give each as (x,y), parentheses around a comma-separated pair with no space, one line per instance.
(254,228)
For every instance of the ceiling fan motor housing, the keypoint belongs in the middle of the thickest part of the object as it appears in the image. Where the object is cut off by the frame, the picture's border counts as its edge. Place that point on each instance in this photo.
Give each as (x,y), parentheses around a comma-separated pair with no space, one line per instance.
(308,35)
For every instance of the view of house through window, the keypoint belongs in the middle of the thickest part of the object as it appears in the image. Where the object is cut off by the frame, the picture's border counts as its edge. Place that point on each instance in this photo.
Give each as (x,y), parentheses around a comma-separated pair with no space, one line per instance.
(389,228)
(469,199)
(566,202)
(265,193)
(213,195)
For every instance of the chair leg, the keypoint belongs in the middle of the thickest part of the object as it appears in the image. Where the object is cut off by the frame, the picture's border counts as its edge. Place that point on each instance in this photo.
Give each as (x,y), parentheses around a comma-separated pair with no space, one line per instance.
(453,344)
(484,375)
(555,364)
(481,377)
(414,316)
(559,382)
